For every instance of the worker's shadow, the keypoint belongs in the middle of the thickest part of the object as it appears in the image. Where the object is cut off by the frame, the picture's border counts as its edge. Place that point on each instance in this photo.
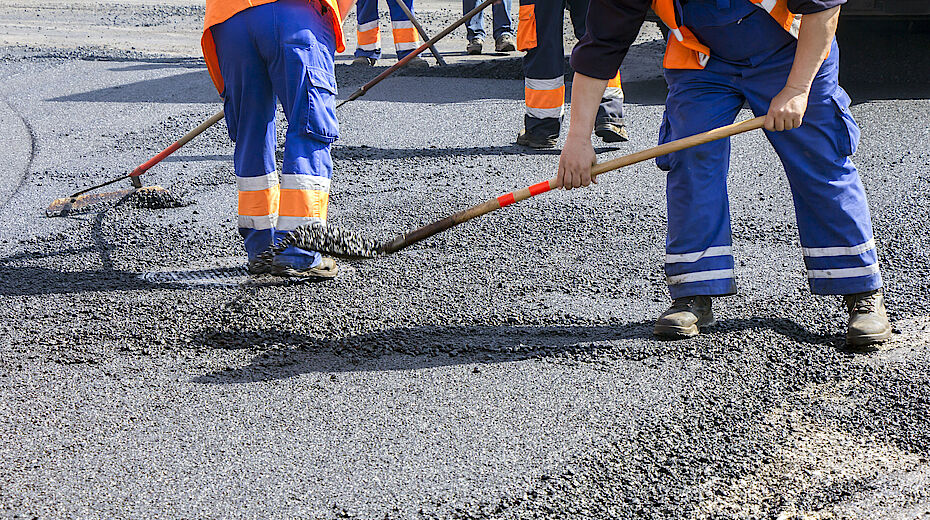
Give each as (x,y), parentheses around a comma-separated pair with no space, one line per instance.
(412,348)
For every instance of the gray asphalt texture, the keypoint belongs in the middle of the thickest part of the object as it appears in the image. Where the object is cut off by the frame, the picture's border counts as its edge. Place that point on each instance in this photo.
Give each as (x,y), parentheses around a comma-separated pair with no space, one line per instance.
(503,369)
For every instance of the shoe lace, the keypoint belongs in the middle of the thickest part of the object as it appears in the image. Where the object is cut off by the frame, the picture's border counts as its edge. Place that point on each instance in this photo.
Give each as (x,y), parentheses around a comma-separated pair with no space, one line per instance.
(682,304)
(866,304)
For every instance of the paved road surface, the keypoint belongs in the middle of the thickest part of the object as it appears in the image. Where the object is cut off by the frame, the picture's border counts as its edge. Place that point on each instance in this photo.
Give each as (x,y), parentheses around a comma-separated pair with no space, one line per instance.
(504,369)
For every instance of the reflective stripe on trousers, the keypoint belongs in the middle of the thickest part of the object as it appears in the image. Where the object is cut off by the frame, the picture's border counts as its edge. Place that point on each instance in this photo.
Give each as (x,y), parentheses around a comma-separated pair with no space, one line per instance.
(832,212)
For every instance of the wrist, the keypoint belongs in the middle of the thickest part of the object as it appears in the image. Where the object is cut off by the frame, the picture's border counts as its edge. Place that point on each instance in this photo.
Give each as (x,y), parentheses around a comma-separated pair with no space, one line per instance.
(577,136)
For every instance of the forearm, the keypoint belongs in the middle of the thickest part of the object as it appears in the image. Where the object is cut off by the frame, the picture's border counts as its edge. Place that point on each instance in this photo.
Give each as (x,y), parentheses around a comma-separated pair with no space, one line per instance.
(344,7)
(586,97)
(814,41)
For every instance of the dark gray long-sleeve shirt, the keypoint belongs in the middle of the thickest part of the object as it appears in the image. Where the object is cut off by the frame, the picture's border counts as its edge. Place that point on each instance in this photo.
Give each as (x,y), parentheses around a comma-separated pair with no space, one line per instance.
(612,26)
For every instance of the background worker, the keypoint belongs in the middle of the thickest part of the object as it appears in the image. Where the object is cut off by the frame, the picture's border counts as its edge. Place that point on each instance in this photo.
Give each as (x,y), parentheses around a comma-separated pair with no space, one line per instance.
(539,33)
(259,52)
(721,54)
(368,33)
(474,29)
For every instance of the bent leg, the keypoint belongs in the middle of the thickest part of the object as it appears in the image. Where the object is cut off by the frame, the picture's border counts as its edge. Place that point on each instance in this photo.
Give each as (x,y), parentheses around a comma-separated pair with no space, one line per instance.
(832,211)
(699,257)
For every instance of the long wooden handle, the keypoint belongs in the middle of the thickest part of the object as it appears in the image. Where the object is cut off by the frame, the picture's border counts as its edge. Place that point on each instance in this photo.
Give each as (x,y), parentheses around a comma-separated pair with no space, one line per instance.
(419,28)
(144,167)
(484,208)
(400,63)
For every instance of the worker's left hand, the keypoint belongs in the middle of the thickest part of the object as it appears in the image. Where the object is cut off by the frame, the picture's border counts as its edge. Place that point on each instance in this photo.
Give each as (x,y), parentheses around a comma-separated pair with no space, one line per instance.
(786,111)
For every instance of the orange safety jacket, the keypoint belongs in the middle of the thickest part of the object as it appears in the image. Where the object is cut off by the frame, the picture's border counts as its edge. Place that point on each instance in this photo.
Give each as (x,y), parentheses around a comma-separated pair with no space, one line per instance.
(684,51)
(218,11)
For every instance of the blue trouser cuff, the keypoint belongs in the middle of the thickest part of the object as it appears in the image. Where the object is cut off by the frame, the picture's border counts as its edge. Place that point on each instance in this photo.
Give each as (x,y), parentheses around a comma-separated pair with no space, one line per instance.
(830,286)
(706,288)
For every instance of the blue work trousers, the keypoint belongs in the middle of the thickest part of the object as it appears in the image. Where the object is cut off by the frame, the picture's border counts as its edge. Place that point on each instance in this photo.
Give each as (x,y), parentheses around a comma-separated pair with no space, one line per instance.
(500,13)
(282,51)
(830,204)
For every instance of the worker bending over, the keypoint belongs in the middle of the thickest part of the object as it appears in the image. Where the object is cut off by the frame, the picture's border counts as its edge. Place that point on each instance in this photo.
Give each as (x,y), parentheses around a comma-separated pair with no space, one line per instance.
(539,33)
(257,52)
(781,57)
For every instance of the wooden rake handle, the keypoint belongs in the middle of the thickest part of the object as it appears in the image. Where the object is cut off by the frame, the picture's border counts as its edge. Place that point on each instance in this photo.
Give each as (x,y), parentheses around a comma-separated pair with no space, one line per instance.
(484,208)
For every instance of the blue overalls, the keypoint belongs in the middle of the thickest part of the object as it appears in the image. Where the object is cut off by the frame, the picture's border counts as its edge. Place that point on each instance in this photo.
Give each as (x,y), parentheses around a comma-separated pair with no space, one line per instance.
(751,56)
(279,51)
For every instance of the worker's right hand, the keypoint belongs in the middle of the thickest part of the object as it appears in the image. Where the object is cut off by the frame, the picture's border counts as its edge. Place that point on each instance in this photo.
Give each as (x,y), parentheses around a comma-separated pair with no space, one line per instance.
(575,163)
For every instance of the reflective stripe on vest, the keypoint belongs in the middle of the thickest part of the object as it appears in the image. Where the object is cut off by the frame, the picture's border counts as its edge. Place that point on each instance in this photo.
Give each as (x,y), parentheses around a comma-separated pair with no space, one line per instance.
(684,51)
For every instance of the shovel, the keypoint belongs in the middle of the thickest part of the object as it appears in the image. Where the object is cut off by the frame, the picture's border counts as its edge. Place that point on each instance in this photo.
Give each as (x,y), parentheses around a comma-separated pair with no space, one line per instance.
(346,244)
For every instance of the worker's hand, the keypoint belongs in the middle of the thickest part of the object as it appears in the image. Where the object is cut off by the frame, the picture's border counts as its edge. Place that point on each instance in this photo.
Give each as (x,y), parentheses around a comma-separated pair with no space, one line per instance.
(786,111)
(575,163)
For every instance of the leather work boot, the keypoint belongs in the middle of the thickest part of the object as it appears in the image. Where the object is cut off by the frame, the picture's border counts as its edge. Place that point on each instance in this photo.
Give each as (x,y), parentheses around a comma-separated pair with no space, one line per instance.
(611,132)
(417,63)
(504,43)
(325,270)
(868,321)
(538,142)
(474,46)
(364,61)
(684,317)
(261,264)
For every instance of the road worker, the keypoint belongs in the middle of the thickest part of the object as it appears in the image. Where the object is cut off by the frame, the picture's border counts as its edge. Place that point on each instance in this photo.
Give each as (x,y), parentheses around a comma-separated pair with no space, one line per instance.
(368,33)
(257,52)
(780,57)
(539,33)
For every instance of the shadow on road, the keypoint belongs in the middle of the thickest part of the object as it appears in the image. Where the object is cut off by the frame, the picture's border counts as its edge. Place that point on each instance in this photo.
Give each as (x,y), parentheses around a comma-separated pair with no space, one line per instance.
(347,152)
(411,348)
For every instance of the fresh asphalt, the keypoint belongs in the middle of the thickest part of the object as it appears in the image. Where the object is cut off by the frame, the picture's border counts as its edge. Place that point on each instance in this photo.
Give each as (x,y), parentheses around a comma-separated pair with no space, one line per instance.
(503,369)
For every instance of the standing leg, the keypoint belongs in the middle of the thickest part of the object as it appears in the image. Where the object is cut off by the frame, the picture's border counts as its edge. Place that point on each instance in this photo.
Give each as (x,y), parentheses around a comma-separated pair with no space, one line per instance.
(304,80)
(609,124)
(699,257)
(540,34)
(405,34)
(833,217)
(249,102)
(503,24)
(503,34)
(368,34)
(474,28)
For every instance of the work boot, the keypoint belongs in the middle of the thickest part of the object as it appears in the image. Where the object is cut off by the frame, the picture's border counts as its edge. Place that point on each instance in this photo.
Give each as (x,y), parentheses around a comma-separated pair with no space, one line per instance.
(417,63)
(684,317)
(364,61)
(612,132)
(325,270)
(538,142)
(868,321)
(474,46)
(504,43)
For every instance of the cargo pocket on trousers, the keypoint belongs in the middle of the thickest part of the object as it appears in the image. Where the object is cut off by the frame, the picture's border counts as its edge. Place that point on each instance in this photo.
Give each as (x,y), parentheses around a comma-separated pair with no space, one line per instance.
(847,131)
(320,121)
(526,28)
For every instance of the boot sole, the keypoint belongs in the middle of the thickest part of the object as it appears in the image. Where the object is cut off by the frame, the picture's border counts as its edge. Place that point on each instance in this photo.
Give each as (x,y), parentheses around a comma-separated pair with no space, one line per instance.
(866,340)
(609,136)
(309,275)
(679,332)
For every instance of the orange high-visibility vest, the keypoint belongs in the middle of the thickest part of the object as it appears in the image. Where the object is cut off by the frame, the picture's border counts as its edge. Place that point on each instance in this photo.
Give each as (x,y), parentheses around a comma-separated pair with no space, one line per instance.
(218,11)
(684,51)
